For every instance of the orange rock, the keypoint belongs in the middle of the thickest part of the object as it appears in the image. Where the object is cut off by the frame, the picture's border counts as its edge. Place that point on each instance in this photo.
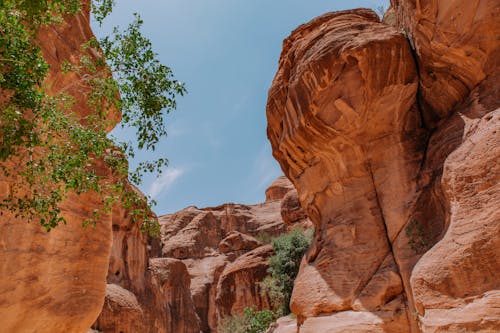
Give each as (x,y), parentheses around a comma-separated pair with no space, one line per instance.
(378,188)
(56,282)
(238,286)
(456,43)
(206,241)
(292,212)
(278,189)
(121,311)
(342,123)
(236,241)
(456,282)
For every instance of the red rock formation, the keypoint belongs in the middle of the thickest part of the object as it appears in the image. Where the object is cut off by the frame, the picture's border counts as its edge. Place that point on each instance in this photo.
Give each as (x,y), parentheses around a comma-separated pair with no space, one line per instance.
(211,240)
(206,267)
(223,258)
(456,44)
(161,287)
(238,286)
(336,88)
(121,311)
(345,123)
(278,189)
(236,241)
(55,282)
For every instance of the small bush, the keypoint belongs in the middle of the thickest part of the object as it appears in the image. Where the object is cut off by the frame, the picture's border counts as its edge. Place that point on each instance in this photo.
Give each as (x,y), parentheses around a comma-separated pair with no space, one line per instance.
(250,321)
(258,321)
(284,267)
(233,324)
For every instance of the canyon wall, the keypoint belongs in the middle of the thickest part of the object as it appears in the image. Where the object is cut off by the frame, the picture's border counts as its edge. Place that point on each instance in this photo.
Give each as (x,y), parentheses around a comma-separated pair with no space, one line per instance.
(55,282)
(389,134)
(206,265)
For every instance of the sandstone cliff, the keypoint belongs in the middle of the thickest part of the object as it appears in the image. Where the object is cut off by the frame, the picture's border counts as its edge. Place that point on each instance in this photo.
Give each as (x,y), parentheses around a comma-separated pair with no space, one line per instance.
(207,265)
(390,135)
(55,282)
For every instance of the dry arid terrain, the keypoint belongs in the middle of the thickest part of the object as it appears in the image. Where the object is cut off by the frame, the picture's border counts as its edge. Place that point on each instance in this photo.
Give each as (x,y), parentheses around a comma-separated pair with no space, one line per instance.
(387,132)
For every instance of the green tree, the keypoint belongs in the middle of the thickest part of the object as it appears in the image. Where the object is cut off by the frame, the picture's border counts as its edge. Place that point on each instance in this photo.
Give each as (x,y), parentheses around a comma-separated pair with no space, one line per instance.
(284,267)
(54,150)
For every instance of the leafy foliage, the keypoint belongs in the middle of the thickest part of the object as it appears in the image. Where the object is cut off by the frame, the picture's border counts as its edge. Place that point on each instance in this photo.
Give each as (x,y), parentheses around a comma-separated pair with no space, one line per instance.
(54,150)
(284,267)
(251,321)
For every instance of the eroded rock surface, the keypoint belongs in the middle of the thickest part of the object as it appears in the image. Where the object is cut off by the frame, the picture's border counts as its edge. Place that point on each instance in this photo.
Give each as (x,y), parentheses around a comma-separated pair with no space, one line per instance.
(207,265)
(456,43)
(278,189)
(392,146)
(343,124)
(56,282)
(224,259)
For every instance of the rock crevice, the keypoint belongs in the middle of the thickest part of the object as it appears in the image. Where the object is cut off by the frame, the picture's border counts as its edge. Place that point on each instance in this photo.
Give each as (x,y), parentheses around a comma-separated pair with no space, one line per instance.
(366,132)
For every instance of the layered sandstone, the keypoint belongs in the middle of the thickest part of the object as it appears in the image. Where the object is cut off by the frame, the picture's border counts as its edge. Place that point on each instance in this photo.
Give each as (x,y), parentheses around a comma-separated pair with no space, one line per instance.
(224,259)
(343,124)
(160,287)
(56,282)
(364,122)
(456,44)
(206,265)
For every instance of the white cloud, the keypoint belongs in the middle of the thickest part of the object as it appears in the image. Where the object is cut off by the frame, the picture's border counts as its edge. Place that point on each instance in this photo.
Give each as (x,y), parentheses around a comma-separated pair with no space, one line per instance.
(165,181)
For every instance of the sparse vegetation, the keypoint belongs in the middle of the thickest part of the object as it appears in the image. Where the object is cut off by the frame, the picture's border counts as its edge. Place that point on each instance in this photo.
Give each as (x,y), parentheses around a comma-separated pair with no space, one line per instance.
(251,321)
(284,267)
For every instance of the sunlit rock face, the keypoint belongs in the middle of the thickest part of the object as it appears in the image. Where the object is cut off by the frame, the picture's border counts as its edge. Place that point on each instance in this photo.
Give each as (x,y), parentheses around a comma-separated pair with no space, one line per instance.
(56,282)
(223,250)
(456,44)
(344,126)
(395,168)
(206,265)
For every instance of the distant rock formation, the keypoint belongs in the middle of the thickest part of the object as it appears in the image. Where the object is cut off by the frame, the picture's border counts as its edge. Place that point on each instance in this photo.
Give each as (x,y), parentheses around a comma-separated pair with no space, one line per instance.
(207,265)
(390,135)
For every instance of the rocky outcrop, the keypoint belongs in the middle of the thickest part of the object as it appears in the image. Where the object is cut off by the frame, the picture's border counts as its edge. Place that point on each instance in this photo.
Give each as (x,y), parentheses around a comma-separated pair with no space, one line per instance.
(224,259)
(121,311)
(278,189)
(160,286)
(238,285)
(456,45)
(206,265)
(236,241)
(336,88)
(55,282)
(364,121)
(462,293)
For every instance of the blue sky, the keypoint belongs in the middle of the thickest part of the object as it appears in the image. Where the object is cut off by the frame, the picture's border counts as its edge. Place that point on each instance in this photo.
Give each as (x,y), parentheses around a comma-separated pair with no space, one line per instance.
(226,51)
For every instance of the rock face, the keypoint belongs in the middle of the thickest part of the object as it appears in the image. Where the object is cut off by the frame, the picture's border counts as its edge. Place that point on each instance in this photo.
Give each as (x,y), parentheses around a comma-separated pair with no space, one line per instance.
(223,257)
(278,189)
(207,265)
(392,151)
(55,282)
(124,303)
(456,44)
(160,286)
(238,285)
